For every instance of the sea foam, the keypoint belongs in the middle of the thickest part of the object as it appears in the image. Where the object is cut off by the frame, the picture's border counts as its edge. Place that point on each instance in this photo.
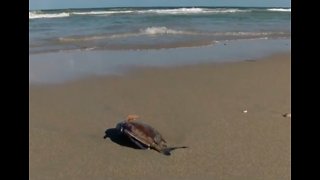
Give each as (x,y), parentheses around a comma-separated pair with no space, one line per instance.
(159,30)
(175,11)
(193,11)
(101,12)
(35,15)
(280,9)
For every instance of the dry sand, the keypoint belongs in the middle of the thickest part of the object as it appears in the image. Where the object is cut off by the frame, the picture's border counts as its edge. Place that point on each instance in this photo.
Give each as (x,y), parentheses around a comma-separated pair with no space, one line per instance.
(197,106)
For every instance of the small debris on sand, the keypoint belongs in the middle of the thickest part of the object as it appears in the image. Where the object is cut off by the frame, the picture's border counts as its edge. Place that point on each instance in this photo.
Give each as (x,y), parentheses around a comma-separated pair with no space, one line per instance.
(287,115)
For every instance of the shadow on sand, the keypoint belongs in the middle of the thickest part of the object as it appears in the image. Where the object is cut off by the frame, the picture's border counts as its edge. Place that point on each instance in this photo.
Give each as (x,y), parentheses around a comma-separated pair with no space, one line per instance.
(118,138)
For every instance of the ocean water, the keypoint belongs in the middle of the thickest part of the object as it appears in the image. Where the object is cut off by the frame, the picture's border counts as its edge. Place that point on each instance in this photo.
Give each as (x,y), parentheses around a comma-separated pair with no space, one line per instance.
(150,28)
(128,35)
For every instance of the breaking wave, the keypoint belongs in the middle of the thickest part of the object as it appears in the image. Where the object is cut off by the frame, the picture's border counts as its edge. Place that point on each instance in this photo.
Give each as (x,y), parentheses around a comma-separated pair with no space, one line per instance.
(36,15)
(159,11)
(101,12)
(280,9)
(176,11)
(193,11)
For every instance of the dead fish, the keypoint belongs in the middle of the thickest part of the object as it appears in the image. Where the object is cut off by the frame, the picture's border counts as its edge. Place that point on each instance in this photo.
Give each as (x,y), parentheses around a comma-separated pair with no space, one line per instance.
(144,136)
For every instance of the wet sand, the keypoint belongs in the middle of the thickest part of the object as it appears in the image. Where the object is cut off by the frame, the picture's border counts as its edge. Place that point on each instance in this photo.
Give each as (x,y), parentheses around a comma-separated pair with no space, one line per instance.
(199,106)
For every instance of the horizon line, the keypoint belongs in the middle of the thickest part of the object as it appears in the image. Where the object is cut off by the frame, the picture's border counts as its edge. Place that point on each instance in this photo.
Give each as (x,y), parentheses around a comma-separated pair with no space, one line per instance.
(159,7)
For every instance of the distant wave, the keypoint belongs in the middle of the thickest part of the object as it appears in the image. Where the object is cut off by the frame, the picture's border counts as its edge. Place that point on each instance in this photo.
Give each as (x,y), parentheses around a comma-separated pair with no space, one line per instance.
(176,11)
(193,11)
(92,13)
(280,9)
(35,15)
(101,12)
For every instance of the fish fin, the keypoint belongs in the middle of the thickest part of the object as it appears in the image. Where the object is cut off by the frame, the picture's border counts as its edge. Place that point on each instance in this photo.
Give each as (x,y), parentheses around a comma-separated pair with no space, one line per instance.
(137,143)
(135,139)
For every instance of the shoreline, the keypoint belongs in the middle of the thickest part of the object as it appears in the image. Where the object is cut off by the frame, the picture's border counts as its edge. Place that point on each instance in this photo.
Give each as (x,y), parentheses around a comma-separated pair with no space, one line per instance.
(199,106)
(54,68)
(131,71)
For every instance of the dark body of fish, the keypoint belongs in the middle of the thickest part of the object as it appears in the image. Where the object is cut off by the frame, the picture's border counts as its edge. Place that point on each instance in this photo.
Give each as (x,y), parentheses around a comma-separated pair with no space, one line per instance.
(145,136)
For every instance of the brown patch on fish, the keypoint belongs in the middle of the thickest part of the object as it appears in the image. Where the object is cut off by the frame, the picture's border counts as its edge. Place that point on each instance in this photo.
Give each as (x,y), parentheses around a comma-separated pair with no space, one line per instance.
(132,117)
(144,135)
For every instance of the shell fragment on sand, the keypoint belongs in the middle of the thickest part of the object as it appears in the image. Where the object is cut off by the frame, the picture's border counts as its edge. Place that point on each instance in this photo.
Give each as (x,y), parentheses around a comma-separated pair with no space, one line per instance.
(287,115)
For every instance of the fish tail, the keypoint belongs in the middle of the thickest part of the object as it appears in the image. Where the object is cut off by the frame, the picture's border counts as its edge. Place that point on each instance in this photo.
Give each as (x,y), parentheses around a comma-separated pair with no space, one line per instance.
(167,151)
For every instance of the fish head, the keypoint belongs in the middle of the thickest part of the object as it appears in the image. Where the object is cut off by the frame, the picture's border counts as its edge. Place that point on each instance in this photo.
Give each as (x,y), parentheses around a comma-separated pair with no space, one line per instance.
(120,126)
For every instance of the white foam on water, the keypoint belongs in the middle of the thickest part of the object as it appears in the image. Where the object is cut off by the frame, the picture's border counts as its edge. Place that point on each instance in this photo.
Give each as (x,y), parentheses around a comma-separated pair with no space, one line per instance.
(161,30)
(101,12)
(176,11)
(35,15)
(280,9)
(192,11)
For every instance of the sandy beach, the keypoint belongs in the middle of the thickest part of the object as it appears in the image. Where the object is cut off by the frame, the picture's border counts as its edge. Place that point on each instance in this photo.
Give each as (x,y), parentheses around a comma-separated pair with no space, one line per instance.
(199,106)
